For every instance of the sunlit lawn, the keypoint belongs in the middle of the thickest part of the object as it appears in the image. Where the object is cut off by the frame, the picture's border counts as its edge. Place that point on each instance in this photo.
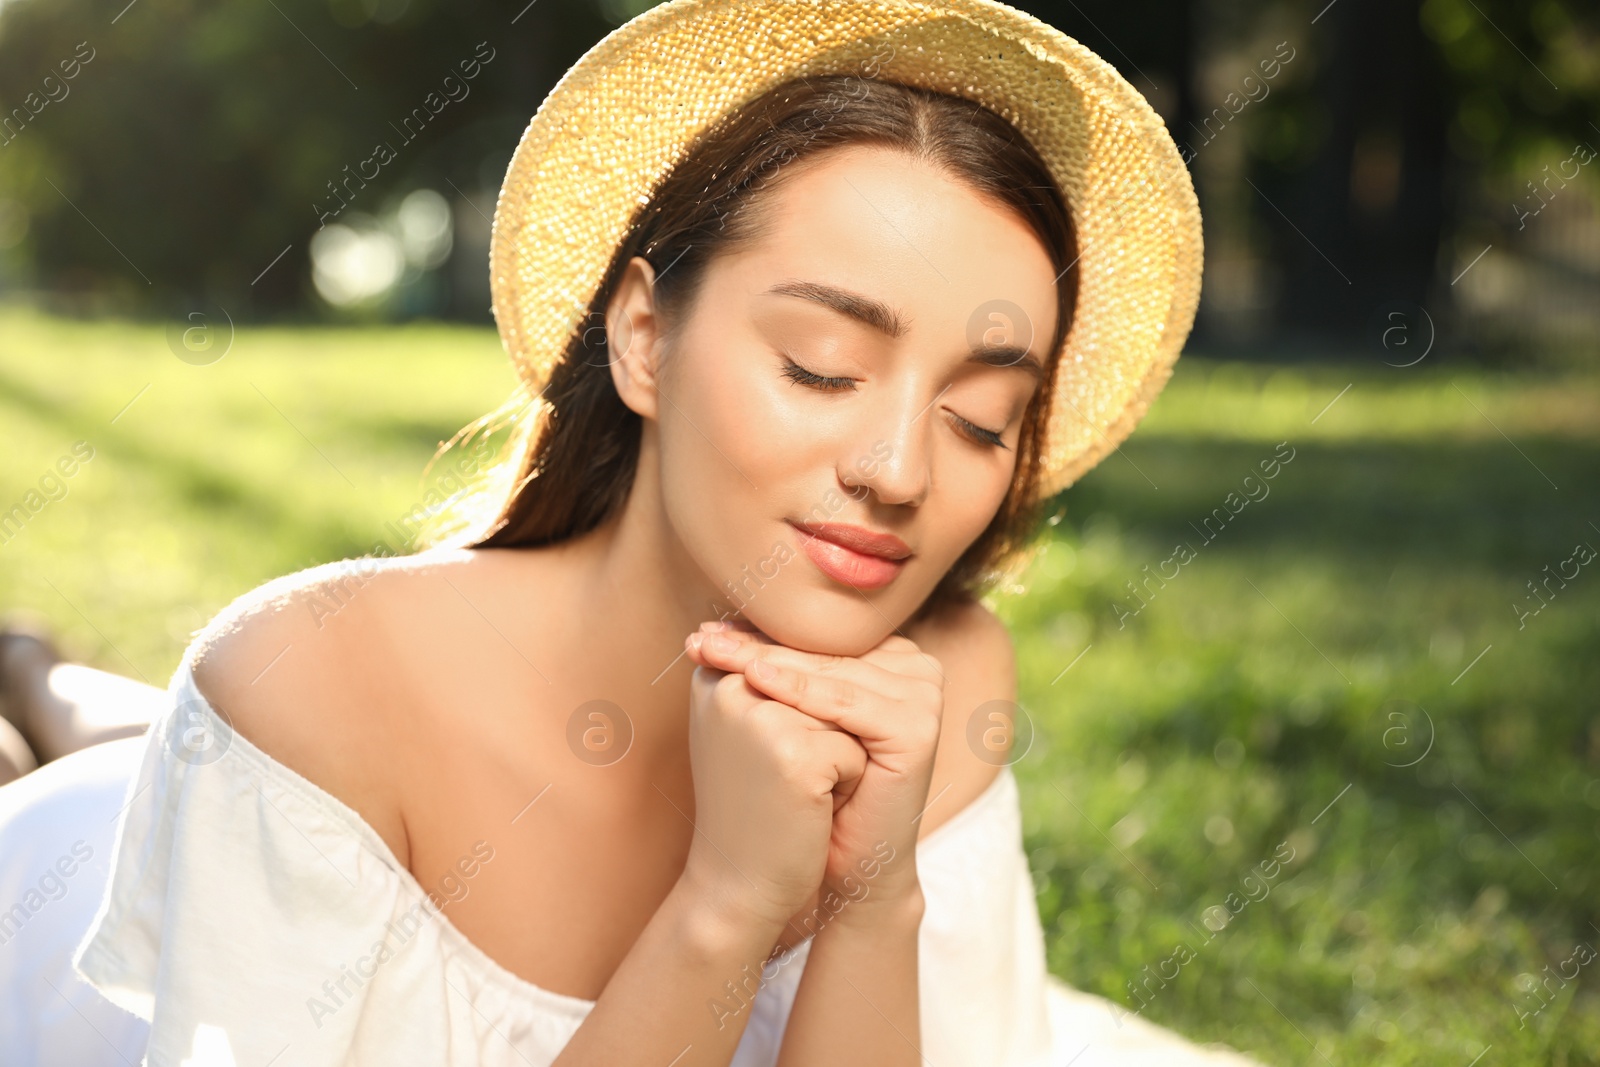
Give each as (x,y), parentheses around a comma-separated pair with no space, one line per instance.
(296,447)
(1337,673)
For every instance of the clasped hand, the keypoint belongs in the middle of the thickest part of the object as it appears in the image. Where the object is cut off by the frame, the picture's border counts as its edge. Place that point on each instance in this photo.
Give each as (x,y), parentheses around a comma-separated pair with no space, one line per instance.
(808,768)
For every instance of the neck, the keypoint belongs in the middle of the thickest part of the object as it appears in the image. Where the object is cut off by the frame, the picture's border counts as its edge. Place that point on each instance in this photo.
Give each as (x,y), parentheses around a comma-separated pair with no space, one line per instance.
(635,596)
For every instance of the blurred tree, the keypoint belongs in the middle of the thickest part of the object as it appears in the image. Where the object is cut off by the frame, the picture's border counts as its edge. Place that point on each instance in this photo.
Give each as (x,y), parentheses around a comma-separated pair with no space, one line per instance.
(195,143)
(1371,174)
(202,140)
(1383,159)
(1372,193)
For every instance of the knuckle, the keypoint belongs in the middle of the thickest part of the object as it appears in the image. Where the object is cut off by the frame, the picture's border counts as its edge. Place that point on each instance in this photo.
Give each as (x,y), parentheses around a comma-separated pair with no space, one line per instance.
(788,755)
(727,689)
(922,728)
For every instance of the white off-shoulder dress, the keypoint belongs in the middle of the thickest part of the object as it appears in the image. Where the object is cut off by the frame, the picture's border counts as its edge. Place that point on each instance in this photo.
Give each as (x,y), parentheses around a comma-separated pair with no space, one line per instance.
(248,918)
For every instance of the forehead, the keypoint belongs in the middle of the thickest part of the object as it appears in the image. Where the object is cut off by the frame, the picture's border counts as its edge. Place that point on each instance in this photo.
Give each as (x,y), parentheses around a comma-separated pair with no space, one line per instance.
(907,232)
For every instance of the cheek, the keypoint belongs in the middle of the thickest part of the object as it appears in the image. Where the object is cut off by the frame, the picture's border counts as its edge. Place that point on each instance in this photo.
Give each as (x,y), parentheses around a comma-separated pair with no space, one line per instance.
(737,428)
(728,447)
(966,510)
(721,418)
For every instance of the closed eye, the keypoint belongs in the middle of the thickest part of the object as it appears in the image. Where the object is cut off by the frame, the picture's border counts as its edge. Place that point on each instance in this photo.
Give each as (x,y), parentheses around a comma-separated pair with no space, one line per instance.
(978,433)
(800,376)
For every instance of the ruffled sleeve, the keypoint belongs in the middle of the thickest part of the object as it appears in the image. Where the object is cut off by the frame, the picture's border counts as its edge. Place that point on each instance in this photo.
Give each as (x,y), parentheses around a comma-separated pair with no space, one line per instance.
(253,918)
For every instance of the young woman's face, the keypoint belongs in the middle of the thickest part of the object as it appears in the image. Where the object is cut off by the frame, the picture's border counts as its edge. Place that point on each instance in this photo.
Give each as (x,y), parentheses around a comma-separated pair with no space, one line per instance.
(826,378)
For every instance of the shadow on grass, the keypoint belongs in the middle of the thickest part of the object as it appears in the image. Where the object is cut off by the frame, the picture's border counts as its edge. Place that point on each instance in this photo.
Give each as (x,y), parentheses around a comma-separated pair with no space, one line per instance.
(1475,503)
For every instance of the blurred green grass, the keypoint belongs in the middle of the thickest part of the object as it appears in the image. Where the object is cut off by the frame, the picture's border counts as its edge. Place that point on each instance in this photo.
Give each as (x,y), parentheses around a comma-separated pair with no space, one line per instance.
(1265,700)
(1337,672)
(296,447)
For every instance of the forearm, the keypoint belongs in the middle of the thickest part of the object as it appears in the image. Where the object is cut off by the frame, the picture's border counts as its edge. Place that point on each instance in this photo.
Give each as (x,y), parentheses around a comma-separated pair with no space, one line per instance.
(669,1000)
(858,996)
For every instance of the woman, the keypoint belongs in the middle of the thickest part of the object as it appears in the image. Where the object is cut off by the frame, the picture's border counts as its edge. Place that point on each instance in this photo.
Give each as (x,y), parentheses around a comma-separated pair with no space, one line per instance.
(685,750)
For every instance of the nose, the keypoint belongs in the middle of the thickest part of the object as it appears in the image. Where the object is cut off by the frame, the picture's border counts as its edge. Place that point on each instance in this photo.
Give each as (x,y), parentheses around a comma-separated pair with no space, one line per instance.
(893,462)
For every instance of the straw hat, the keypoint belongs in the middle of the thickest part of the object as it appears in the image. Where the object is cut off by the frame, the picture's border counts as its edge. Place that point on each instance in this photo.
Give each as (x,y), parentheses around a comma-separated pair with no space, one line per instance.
(615,124)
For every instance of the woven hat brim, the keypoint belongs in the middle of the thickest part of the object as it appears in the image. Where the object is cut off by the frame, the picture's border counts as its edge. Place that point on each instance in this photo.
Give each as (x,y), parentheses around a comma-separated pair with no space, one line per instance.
(620,118)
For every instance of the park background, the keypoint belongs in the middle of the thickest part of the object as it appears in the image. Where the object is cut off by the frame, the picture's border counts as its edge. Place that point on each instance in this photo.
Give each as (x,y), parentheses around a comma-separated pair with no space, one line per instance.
(1329,795)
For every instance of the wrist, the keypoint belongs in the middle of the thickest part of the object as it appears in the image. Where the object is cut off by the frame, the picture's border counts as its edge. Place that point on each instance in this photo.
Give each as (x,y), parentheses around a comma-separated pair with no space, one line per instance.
(899,908)
(718,915)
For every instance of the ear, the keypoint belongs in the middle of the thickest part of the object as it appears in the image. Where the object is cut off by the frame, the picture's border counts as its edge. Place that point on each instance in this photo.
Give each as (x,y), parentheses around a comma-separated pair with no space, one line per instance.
(634,337)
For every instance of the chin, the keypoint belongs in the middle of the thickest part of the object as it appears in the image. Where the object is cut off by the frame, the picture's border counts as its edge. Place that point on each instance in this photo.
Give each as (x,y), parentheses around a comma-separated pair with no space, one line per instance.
(837,621)
(826,632)
(787,596)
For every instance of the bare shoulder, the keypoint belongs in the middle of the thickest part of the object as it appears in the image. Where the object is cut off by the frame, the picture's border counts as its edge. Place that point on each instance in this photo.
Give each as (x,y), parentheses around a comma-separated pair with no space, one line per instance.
(976,654)
(302,667)
(293,630)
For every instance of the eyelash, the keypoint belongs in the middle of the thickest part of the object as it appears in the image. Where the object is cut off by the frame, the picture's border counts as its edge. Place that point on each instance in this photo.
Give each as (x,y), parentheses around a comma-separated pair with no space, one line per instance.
(986,437)
(800,376)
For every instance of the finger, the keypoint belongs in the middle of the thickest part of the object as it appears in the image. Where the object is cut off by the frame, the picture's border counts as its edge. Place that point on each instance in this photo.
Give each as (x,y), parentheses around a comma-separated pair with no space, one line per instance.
(895,654)
(903,656)
(694,643)
(875,717)
(888,682)
(845,756)
(864,698)
(703,682)
(733,652)
(691,648)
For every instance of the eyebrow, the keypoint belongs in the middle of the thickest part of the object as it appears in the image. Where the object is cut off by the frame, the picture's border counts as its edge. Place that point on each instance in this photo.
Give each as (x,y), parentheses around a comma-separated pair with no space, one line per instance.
(891,323)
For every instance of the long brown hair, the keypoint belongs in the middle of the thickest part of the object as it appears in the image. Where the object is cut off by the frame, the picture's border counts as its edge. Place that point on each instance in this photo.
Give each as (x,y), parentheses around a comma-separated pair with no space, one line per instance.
(573,451)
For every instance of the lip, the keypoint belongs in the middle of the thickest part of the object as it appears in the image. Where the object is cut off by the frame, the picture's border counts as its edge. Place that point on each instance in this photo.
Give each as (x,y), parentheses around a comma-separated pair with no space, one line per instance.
(858,539)
(853,555)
